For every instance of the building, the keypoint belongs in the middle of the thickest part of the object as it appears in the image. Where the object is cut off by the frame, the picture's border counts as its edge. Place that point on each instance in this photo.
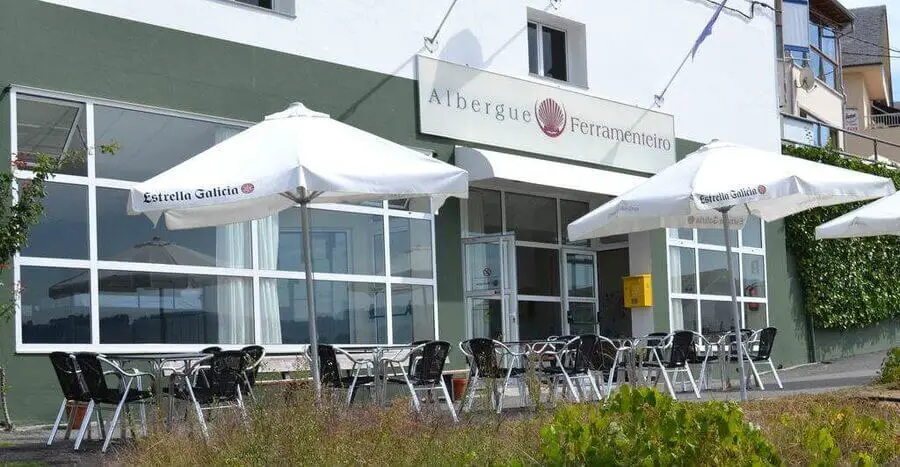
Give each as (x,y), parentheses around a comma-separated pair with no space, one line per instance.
(548,103)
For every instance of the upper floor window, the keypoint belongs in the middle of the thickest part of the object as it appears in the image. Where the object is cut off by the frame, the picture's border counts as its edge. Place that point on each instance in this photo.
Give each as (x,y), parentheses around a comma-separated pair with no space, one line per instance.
(267,4)
(284,7)
(547,52)
(823,54)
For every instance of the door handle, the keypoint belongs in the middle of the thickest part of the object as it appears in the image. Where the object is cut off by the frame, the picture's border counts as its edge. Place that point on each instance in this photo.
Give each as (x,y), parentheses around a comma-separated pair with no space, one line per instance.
(569,317)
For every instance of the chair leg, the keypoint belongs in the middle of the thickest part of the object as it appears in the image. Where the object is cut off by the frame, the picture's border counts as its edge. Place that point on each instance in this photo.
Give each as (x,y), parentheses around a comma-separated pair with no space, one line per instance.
(100,423)
(593,383)
(70,422)
(690,376)
(449,402)
(412,393)
(197,408)
(84,426)
(62,410)
(142,410)
(571,387)
(775,374)
(240,401)
(756,375)
(665,375)
(469,397)
(116,415)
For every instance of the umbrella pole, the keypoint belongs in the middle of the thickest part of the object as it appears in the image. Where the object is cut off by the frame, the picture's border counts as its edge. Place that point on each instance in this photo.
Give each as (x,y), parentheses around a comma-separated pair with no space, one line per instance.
(310,298)
(736,314)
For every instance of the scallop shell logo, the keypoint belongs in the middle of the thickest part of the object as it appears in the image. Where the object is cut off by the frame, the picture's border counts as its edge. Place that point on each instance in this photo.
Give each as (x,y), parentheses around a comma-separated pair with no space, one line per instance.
(247,188)
(550,116)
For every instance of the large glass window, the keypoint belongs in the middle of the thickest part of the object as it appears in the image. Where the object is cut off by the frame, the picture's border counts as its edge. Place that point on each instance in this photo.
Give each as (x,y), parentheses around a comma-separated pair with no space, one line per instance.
(231,285)
(699,280)
(484,212)
(547,55)
(532,218)
(823,55)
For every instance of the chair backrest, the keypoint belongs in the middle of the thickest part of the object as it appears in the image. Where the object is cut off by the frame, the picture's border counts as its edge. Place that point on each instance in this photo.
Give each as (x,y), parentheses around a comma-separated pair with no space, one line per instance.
(652,340)
(69,376)
(92,372)
(226,372)
(681,346)
(766,341)
(329,370)
(484,356)
(604,354)
(430,366)
(212,349)
(414,355)
(254,354)
(580,352)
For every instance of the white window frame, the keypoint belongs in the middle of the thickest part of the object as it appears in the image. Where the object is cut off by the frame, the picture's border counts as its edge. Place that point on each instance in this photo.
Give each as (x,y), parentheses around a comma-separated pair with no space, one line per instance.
(254,273)
(540,51)
(697,246)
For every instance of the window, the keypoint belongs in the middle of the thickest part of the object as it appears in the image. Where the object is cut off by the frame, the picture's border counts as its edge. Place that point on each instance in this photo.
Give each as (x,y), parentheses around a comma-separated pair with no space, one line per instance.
(267,4)
(117,282)
(821,135)
(823,54)
(547,53)
(699,289)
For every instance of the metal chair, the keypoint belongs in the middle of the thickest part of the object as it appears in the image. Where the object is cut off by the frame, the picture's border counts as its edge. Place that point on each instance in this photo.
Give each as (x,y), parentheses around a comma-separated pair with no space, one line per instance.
(670,356)
(607,358)
(486,358)
(759,349)
(75,393)
(129,391)
(428,372)
(702,352)
(330,372)
(572,362)
(225,375)
(255,355)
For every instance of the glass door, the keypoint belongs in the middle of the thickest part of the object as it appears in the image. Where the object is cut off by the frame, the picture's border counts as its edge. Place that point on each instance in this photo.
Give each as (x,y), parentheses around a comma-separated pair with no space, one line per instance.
(580,291)
(490,286)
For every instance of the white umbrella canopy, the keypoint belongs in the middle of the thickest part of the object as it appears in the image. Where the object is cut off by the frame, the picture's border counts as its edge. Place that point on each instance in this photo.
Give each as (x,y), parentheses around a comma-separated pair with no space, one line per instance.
(881,217)
(293,157)
(723,175)
(718,186)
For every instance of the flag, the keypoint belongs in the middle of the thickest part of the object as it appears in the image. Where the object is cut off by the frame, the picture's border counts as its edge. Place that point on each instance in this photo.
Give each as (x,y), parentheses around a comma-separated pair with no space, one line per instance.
(708,29)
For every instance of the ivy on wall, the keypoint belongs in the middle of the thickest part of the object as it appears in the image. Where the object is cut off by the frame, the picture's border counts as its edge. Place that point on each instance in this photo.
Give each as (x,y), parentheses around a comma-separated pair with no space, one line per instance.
(847,283)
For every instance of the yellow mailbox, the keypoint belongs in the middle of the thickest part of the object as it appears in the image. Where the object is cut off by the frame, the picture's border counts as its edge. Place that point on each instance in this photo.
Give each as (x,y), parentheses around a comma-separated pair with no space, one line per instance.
(638,291)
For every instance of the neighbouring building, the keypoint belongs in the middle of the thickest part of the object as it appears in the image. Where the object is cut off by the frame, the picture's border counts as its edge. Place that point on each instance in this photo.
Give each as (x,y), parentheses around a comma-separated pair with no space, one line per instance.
(548,103)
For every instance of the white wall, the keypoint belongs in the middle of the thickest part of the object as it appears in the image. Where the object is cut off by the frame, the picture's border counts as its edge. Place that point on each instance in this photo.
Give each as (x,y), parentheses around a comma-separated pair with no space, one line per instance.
(633,47)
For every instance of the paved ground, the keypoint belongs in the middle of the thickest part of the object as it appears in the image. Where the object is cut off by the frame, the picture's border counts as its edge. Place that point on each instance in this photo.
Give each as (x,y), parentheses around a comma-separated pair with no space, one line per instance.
(27,446)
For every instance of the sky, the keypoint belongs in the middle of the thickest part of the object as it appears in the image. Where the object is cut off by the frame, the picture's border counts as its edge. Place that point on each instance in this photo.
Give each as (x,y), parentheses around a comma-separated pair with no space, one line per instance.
(893,8)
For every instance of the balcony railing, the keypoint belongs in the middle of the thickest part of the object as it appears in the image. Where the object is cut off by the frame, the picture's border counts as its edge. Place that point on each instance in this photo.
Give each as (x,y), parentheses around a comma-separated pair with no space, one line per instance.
(884,121)
(805,124)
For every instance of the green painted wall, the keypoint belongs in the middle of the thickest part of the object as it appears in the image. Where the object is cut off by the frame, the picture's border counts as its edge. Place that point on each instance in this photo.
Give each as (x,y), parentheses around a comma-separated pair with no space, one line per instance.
(785,300)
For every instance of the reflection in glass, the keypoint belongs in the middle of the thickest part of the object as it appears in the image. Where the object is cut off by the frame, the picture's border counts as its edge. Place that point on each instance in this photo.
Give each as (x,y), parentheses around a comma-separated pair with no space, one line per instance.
(684,312)
(714,273)
(537,271)
(484,212)
(487,318)
(538,320)
(483,268)
(755,316)
(570,211)
(716,237)
(532,218)
(413,314)
(751,234)
(63,229)
(411,253)
(342,242)
(134,238)
(754,276)
(682,270)
(682,234)
(53,127)
(168,308)
(553,44)
(582,318)
(422,205)
(532,48)
(580,275)
(346,312)
(49,317)
(150,143)
(716,317)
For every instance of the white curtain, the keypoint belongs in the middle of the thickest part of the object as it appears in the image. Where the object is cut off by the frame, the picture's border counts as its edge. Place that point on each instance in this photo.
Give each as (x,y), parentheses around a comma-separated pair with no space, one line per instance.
(795,24)
(270,313)
(232,249)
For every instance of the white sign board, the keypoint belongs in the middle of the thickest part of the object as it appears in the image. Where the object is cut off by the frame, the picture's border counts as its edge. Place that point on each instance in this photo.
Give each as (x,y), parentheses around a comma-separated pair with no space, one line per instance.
(851,119)
(474,105)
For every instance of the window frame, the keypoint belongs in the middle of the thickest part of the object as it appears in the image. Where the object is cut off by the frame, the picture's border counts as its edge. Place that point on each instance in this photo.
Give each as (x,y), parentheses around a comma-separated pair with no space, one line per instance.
(253,272)
(539,27)
(740,250)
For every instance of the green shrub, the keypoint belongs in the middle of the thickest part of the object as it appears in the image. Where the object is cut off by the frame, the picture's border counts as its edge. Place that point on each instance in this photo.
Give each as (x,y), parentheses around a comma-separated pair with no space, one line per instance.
(645,427)
(890,368)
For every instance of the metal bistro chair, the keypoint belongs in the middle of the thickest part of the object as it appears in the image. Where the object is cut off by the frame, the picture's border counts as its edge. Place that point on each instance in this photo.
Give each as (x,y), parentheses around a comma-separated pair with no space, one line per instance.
(573,362)
(127,393)
(703,352)
(670,356)
(330,372)
(486,358)
(225,375)
(255,355)
(759,349)
(75,392)
(729,352)
(606,359)
(428,372)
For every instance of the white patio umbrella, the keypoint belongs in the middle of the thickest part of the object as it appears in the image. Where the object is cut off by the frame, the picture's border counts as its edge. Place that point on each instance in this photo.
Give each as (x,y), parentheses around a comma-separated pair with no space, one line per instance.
(294,157)
(718,186)
(881,217)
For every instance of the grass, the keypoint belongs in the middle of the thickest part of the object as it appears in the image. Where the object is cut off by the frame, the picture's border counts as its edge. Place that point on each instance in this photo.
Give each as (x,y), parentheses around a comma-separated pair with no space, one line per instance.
(288,428)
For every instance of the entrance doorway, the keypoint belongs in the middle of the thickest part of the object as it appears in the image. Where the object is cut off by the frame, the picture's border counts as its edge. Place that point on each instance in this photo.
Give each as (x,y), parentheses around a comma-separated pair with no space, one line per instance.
(615,319)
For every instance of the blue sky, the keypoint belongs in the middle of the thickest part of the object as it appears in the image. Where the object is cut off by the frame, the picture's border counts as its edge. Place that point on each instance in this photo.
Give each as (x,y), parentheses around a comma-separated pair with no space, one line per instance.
(893,7)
